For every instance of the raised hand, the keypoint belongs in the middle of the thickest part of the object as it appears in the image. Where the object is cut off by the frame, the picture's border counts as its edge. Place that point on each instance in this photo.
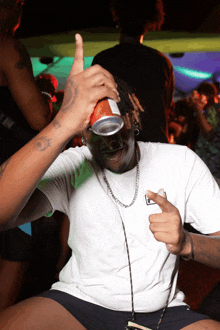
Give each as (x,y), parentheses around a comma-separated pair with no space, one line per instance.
(83,90)
(167,226)
(198,101)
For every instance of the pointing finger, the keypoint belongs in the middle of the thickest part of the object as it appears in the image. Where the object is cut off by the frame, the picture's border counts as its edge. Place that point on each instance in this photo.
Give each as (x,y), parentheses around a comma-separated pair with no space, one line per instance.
(161,201)
(78,64)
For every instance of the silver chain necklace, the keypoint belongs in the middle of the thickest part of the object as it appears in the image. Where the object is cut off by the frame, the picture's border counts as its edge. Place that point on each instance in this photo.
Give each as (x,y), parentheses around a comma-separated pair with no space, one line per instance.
(136,186)
(126,242)
(131,283)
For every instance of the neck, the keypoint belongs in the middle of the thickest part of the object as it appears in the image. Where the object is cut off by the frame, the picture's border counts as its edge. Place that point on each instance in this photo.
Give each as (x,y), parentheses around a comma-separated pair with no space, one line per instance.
(135,159)
(131,40)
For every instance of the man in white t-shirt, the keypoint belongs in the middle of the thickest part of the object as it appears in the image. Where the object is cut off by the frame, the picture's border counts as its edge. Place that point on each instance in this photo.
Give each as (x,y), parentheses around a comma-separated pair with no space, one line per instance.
(126,202)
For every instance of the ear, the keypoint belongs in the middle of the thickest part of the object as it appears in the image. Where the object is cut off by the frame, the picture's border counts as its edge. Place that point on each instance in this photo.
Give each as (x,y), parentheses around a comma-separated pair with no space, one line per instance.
(136,129)
(86,135)
(83,141)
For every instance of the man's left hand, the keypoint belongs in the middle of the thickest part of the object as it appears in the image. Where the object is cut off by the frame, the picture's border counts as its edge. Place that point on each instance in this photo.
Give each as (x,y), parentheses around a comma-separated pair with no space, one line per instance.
(167,226)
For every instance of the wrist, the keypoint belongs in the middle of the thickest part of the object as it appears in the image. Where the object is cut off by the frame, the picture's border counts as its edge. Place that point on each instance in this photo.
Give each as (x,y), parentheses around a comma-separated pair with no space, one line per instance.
(187,252)
(64,124)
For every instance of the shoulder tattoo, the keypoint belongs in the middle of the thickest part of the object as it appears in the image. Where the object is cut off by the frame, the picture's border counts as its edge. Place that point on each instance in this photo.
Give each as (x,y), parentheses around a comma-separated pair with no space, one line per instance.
(42,143)
(24,59)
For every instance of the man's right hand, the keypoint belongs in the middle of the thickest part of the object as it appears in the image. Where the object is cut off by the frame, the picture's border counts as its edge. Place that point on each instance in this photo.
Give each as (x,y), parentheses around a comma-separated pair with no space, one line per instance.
(83,90)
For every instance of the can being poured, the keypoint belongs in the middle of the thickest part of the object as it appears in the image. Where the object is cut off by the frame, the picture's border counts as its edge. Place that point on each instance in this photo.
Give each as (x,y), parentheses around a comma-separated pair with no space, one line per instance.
(106,118)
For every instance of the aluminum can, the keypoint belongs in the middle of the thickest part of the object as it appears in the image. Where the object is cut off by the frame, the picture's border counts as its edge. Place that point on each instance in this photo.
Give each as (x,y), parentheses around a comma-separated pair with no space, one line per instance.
(106,118)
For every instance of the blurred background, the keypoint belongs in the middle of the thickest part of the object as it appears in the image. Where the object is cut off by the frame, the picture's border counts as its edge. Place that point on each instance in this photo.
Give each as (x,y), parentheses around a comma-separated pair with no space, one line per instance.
(189,37)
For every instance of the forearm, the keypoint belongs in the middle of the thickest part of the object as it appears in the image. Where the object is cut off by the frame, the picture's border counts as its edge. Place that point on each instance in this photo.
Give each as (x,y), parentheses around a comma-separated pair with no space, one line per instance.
(202,248)
(20,174)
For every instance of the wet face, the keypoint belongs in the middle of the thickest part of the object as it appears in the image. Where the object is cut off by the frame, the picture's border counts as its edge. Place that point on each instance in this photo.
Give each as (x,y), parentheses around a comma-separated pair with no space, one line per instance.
(115,152)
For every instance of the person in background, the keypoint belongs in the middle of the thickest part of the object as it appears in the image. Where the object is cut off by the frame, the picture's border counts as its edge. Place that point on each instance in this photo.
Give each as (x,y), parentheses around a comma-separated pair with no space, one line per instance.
(59,99)
(126,243)
(23,108)
(23,113)
(145,69)
(183,126)
(47,84)
(207,107)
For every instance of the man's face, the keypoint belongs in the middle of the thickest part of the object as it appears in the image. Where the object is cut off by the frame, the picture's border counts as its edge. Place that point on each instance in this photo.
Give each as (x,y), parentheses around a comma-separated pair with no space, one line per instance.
(115,152)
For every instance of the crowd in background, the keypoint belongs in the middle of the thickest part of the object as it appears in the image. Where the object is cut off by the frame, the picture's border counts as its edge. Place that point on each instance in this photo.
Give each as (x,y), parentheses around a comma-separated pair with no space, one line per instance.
(195,122)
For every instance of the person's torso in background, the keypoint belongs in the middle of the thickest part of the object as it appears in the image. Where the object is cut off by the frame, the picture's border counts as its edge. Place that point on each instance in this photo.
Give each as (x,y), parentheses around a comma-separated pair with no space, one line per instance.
(15,131)
(209,150)
(150,73)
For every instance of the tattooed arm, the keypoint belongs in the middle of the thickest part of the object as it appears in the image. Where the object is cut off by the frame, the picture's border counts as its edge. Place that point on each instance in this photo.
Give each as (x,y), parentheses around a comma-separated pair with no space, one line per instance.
(16,68)
(206,249)
(20,175)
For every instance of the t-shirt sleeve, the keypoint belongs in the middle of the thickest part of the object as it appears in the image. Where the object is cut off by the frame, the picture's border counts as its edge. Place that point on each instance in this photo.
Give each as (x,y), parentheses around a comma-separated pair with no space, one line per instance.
(202,196)
(59,181)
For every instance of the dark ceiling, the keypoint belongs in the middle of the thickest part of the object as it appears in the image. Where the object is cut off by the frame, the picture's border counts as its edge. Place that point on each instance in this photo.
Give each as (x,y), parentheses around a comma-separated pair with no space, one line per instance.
(48,16)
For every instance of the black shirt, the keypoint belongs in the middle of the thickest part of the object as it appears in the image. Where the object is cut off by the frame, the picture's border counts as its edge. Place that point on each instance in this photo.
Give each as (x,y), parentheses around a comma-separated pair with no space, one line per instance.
(151,74)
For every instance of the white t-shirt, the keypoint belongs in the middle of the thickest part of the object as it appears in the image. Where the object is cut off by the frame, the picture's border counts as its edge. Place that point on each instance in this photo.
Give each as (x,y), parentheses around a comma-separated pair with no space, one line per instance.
(98,269)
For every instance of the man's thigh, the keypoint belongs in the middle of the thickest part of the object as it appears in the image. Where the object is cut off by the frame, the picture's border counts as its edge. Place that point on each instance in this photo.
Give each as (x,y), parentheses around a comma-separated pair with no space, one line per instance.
(202,325)
(38,313)
(12,277)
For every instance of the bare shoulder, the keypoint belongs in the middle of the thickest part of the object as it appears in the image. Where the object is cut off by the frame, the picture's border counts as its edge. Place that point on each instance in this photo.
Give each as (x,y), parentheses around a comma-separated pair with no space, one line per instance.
(14,54)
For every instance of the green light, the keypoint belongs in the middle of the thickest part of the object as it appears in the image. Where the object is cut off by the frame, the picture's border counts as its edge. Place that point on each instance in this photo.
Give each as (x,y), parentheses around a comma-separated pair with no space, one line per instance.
(60,67)
(193,73)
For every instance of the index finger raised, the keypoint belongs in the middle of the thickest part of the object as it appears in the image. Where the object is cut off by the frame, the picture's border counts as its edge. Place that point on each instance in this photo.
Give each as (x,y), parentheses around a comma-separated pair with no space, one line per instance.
(162,202)
(78,63)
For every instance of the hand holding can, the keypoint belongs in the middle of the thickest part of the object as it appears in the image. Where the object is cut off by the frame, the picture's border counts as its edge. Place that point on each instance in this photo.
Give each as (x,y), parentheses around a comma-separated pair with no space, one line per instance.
(106,118)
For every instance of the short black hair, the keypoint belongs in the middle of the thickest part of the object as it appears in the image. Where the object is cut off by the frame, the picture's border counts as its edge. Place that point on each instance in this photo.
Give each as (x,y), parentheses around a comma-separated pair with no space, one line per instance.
(135,18)
(208,89)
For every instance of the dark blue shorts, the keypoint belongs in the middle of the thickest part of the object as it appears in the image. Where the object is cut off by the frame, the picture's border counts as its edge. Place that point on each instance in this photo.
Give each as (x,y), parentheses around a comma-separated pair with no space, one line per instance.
(94,317)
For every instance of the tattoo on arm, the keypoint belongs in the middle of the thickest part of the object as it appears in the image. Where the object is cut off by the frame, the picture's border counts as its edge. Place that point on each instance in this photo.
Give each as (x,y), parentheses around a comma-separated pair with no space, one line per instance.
(202,242)
(56,123)
(42,144)
(70,95)
(3,166)
(24,59)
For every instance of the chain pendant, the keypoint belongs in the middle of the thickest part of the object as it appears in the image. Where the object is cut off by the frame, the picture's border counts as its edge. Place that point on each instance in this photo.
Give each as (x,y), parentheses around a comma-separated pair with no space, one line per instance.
(135,326)
(136,187)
